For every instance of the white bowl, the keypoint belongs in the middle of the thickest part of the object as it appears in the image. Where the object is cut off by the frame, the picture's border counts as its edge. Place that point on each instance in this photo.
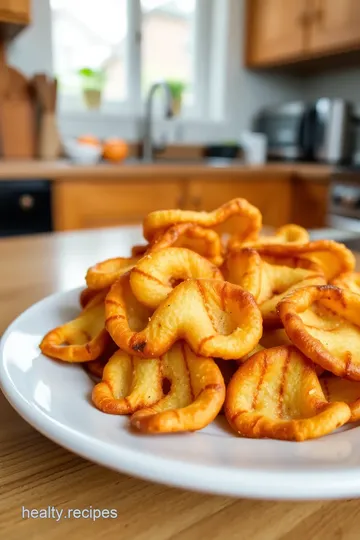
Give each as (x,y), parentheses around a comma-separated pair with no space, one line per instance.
(84,154)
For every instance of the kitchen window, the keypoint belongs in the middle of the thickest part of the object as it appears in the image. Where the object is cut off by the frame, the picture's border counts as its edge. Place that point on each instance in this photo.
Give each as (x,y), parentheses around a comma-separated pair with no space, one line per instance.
(107,53)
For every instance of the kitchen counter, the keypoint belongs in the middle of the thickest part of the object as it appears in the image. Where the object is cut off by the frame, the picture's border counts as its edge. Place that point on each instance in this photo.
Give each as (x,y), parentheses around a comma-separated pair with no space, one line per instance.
(61,170)
(36,473)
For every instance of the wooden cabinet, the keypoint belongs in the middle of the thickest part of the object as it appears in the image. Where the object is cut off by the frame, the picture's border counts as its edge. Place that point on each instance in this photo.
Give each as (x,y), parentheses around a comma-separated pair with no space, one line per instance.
(289,31)
(270,195)
(309,202)
(15,11)
(275,30)
(86,204)
(335,25)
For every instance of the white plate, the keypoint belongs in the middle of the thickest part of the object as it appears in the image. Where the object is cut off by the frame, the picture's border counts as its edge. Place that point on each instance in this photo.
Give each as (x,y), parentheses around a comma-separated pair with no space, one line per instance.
(54,397)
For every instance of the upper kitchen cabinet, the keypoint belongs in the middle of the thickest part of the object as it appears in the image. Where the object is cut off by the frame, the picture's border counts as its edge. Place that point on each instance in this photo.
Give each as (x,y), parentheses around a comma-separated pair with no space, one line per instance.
(275,31)
(14,16)
(335,26)
(280,32)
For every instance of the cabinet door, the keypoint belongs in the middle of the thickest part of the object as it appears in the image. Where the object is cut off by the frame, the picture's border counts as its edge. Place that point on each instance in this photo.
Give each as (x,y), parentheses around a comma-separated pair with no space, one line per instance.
(276,31)
(15,11)
(270,195)
(87,204)
(310,202)
(335,25)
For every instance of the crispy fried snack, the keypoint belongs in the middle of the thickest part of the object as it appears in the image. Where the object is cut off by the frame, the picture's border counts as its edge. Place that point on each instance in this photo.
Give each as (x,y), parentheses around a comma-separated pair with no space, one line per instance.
(288,234)
(139,250)
(277,394)
(86,295)
(128,384)
(269,283)
(195,397)
(237,217)
(102,275)
(156,274)
(337,389)
(95,368)
(323,323)
(206,242)
(272,337)
(333,258)
(214,317)
(82,339)
(349,281)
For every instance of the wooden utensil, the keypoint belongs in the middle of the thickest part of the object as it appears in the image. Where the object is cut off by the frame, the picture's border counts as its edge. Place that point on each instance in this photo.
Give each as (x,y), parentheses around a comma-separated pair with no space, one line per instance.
(49,144)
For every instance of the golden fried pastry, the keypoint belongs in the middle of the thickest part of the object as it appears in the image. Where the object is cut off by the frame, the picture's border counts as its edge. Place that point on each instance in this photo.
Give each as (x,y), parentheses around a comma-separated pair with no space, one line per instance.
(82,339)
(277,394)
(323,323)
(337,389)
(272,337)
(139,250)
(349,281)
(237,217)
(269,283)
(86,295)
(95,368)
(333,258)
(287,234)
(195,396)
(102,275)
(214,317)
(128,384)
(156,274)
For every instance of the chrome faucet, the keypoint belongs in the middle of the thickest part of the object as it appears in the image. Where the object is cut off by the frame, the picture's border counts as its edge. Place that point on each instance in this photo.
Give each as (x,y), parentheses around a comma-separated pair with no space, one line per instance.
(147,148)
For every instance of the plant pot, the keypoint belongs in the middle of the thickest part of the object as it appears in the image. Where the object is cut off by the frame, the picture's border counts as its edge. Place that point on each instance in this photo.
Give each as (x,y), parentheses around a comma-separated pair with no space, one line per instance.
(92,98)
(176,106)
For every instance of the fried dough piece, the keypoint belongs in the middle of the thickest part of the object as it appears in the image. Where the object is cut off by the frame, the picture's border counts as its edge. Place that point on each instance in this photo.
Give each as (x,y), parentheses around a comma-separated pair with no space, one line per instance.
(82,339)
(272,337)
(86,295)
(214,317)
(139,250)
(269,283)
(195,398)
(128,384)
(103,274)
(95,368)
(156,274)
(331,257)
(337,389)
(277,394)
(237,217)
(349,281)
(205,242)
(323,323)
(287,234)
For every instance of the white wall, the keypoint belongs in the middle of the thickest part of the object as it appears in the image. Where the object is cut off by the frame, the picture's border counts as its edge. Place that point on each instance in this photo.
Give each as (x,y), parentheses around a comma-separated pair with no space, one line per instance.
(344,83)
(31,51)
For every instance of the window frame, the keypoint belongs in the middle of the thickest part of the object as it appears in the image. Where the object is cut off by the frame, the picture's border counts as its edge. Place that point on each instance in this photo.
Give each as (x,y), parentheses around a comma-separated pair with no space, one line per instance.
(133,105)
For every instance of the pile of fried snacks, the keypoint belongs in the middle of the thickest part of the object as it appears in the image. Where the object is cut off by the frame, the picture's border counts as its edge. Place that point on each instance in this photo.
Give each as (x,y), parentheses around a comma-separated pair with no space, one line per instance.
(210,317)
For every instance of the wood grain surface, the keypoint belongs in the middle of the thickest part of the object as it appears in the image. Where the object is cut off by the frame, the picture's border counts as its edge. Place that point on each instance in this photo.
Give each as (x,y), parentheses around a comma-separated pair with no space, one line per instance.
(36,473)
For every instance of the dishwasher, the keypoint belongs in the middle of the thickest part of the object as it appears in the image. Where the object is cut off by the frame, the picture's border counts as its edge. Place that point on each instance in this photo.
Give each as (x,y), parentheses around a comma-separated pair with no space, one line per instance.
(25,207)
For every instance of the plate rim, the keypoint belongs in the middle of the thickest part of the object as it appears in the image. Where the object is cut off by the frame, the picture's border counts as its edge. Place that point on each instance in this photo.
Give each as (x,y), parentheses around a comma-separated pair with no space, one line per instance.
(239,482)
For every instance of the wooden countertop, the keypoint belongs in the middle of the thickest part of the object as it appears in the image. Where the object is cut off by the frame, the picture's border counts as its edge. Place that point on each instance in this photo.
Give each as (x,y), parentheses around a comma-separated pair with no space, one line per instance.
(61,170)
(36,473)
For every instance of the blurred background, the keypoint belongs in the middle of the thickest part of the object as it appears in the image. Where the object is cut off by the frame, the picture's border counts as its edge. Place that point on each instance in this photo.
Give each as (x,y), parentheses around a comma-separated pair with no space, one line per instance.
(196,100)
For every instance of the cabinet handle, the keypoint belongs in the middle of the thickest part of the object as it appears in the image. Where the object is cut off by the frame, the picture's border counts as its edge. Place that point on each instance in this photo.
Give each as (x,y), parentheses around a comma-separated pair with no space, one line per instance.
(26,201)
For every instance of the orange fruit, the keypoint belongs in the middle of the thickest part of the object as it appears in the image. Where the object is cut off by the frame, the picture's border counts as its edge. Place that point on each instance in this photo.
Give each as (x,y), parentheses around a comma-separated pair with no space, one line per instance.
(89,139)
(115,150)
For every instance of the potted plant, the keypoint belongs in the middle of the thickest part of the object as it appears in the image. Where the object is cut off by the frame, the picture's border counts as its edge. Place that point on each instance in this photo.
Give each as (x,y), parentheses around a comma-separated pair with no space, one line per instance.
(177,89)
(92,81)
